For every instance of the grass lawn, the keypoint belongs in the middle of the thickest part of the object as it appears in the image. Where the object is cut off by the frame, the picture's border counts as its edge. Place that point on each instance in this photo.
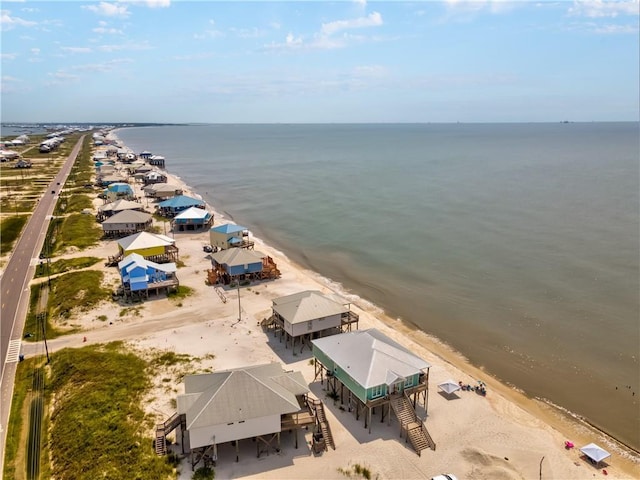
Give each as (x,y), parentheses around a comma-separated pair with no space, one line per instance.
(11,228)
(97,424)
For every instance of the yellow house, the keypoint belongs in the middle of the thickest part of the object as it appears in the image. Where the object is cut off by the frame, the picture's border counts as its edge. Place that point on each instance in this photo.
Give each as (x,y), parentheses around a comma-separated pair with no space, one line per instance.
(150,246)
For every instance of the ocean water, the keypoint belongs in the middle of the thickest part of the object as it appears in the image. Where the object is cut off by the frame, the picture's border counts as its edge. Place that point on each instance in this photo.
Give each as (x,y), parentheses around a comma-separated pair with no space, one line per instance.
(516,244)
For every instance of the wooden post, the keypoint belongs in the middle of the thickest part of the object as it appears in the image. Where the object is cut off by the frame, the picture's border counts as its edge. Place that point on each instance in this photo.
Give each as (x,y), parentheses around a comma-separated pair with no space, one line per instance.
(369,419)
(237,451)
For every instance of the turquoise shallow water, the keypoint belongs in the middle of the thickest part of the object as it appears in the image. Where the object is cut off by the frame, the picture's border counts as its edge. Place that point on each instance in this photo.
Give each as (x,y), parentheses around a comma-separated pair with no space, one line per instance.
(517,244)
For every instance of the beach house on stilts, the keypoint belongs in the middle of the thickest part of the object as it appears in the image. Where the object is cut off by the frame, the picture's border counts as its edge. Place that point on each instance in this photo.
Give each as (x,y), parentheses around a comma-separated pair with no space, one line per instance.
(371,372)
(306,315)
(254,403)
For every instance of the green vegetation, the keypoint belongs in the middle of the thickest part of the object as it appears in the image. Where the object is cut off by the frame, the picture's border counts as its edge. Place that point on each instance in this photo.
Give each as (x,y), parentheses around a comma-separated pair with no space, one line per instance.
(65,265)
(180,293)
(97,424)
(167,359)
(77,203)
(15,463)
(75,291)
(11,228)
(77,230)
(356,470)
(203,473)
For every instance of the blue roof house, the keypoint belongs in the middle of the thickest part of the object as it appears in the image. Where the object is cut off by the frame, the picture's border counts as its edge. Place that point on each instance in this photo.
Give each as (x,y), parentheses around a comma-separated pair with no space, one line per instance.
(229,235)
(118,191)
(177,204)
(193,218)
(141,275)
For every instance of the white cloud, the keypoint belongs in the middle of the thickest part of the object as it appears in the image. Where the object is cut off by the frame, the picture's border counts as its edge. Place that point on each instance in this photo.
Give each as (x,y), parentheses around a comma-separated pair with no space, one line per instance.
(76,49)
(193,56)
(616,29)
(126,46)
(7,22)
(108,9)
(604,8)
(103,67)
(60,77)
(8,56)
(247,32)
(7,78)
(35,51)
(107,31)
(208,34)
(150,3)
(374,19)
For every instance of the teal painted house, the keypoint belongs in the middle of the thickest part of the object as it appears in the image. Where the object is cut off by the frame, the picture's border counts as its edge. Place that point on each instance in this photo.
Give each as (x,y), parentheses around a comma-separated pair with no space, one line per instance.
(369,363)
(373,374)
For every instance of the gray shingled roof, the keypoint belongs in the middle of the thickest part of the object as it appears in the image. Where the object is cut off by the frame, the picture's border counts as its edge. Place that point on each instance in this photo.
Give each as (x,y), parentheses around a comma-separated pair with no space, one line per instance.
(370,357)
(128,216)
(237,256)
(240,394)
(308,305)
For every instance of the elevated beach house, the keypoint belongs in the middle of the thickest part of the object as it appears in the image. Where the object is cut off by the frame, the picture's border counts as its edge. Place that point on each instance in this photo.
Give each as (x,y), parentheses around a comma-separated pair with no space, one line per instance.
(139,276)
(236,265)
(118,191)
(152,177)
(175,205)
(108,209)
(257,403)
(193,218)
(127,222)
(151,246)
(162,191)
(368,371)
(229,235)
(306,315)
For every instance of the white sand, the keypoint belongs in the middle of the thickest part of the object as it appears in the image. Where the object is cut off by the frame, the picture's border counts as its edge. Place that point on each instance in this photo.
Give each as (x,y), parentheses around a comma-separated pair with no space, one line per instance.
(501,436)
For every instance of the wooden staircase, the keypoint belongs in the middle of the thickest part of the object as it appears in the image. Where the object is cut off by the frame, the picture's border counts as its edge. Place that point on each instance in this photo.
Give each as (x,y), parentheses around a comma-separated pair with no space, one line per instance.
(164,429)
(416,432)
(323,424)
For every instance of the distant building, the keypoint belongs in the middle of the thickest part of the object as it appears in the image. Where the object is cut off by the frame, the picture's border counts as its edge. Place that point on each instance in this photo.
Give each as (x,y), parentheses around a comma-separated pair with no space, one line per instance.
(193,218)
(229,235)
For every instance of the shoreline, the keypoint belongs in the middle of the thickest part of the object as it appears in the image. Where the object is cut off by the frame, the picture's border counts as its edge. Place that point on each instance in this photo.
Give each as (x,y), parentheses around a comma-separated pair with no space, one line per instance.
(560,420)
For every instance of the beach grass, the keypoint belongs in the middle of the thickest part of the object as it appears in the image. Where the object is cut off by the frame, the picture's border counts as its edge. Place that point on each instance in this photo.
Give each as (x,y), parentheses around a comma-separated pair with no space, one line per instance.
(97,424)
(75,203)
(69,293)
(76,230)
(76,291)
(15,461)
(11,228)
(65,265)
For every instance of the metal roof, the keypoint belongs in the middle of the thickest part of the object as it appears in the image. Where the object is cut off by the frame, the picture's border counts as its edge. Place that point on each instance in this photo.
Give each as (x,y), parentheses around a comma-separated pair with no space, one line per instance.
(180,201)
(240,394)
(128,216)
(120,205)
(370,357)
(228,228)
(144,240)
(193,213)
(237,256)
(308,305)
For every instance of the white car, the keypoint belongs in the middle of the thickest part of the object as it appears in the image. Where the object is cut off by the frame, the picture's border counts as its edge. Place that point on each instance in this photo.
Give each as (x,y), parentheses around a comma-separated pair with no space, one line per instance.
(445,476)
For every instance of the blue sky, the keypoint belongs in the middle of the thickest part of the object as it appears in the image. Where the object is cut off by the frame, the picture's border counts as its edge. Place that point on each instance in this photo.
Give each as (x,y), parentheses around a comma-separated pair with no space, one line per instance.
(303,61)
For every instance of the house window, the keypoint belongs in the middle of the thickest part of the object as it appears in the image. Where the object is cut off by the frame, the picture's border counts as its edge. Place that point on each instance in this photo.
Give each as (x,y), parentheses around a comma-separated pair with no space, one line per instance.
(408,382)
(376,391)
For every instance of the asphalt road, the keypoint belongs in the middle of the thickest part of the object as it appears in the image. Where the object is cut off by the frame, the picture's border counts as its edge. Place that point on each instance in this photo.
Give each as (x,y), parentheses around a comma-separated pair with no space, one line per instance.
(14,288)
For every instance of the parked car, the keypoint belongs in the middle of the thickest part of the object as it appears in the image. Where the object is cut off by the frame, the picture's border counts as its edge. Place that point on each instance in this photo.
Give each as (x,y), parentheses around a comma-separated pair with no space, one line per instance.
(445,476)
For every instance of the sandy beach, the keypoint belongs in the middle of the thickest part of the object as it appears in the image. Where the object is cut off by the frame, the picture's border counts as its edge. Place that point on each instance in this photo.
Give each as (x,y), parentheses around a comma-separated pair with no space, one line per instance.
(503,435)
